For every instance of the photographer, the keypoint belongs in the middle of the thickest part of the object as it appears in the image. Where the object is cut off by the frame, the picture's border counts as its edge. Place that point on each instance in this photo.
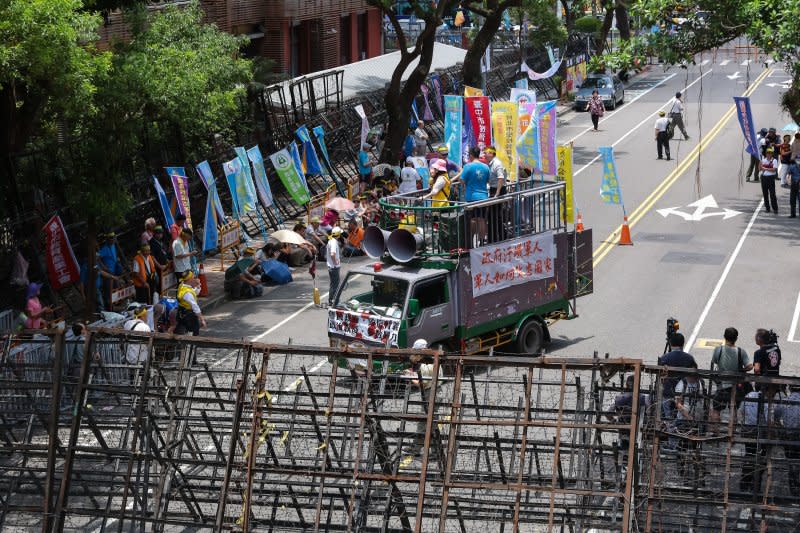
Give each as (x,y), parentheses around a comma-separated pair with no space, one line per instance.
(767,359)
(675,357)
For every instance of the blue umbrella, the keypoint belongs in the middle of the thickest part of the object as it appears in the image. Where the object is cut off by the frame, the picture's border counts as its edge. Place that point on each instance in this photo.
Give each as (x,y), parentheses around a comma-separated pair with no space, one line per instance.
(277,271)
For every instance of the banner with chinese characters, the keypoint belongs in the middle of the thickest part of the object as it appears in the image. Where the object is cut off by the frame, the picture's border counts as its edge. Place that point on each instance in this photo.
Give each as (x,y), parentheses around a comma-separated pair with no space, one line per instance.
(260,174)
(453,117)
(62,267)
(180,184)
(609,188)
(745,117)
(164,201)
(364,327)
(504,131)
(546,112)
(498,266)
(523,97)
(210,232)
(287,172)
(565,175)
(246,175)
(242,201)
(478,114)
(528,144)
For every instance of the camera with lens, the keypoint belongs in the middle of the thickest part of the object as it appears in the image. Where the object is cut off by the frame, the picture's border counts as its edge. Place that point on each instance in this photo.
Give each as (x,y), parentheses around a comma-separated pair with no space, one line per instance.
(673,326)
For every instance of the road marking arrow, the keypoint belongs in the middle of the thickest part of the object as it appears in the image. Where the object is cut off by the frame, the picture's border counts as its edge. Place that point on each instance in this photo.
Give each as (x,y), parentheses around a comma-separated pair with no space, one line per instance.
(699,213)
(784,85)
(725,62)
(734,75)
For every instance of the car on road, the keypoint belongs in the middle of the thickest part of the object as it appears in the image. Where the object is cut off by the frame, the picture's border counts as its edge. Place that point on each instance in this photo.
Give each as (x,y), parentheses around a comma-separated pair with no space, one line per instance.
(608,85)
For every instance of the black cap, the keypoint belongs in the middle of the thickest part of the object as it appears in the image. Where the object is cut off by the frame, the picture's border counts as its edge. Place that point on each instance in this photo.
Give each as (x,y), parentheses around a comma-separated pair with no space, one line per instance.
(678,94)
(763,131)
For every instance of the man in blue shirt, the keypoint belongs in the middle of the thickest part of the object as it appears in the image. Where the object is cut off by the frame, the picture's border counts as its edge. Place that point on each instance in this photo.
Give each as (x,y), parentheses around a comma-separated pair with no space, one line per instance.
(475,176)
(364,169)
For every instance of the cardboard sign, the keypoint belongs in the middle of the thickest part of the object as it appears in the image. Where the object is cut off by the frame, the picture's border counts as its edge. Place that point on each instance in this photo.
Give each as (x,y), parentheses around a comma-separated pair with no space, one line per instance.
(510,263)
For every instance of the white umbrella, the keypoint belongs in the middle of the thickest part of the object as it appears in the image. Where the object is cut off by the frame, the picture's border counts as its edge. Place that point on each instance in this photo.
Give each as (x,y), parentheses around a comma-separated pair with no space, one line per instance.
(287,235)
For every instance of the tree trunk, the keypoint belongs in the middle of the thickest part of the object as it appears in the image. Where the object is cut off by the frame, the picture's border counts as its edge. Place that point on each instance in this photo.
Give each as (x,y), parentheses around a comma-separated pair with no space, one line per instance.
(623,22)
(400,95)
(471,71)
(91,283)
(601,42)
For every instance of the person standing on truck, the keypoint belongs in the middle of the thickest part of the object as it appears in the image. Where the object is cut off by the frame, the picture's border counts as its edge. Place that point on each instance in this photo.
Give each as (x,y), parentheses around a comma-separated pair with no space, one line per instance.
(333,258)
(497,173)
(475,176)
(440,192)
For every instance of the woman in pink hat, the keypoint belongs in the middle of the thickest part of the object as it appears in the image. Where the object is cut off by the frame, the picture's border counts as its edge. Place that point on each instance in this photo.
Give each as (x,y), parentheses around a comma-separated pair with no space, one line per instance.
(440,192)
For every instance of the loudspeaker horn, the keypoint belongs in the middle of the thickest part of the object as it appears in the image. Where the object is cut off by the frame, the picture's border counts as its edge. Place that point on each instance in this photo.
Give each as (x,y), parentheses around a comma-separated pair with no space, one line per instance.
(403,245)
(374,242)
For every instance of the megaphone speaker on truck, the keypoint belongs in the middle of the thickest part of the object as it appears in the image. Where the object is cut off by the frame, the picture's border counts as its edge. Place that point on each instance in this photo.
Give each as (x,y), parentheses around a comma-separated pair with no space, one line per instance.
(403,245)
(374,242)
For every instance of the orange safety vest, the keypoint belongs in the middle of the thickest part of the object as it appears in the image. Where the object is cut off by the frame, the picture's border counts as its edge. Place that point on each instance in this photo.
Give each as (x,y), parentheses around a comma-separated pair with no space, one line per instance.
(139,258)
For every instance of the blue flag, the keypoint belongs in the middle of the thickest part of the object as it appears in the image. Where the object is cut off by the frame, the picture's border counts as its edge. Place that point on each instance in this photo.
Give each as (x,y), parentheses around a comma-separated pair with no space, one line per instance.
(310,159)
(298,164)
(246,176)
(319,133)
(210,232)
(207,177)
(453,123)
(162,199)
(746,123)
(262,184)
(610,190)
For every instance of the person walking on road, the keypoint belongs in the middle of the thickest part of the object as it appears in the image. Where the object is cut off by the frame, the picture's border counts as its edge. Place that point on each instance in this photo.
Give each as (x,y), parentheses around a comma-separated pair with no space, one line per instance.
(769,171)
(333,257)
(596,108)
(793,177)
(785,150)
(755,160)
(676,114)
(662,137)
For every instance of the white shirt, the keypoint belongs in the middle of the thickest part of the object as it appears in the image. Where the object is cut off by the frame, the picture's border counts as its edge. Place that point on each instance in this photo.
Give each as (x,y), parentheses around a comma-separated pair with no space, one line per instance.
(496,171)
(332,256)
(179,248)
(190,299)
(774,165)
(662,123)
(136,351)
(677,106)
(408,180)
(421,136)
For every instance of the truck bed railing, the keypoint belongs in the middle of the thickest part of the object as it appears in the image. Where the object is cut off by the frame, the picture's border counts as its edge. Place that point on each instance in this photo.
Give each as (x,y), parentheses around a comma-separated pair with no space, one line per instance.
(529,209)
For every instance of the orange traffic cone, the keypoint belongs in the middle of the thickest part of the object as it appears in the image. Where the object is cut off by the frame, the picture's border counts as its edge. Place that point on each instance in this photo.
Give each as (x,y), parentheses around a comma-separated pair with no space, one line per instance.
(203,282)
(625,234)
(579,225)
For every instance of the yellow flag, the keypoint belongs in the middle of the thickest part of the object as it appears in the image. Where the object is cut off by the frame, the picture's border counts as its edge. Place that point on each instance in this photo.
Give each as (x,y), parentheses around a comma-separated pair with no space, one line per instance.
(472,91)
(564,154)
(460,19)
(504,127)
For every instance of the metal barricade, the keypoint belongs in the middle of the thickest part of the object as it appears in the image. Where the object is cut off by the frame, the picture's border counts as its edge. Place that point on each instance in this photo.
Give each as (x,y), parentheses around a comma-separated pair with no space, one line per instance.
(6,321)
(27,376)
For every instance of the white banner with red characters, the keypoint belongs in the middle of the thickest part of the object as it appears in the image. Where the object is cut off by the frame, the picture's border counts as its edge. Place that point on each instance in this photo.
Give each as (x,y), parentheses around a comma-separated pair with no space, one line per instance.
(61,263)
(364,327)
(510,263)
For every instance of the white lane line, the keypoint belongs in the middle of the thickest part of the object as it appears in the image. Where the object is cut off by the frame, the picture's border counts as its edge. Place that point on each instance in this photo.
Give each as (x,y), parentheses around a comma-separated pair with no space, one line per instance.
(639,95)
(705,62)
(725,62)
(746,62)
(795,317)
(646,119)
(722,278)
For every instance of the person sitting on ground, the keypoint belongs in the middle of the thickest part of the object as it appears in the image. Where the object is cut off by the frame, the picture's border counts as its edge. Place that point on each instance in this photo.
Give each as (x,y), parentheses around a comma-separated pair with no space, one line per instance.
(315,234)
(355,235)
(310,249)
(240,278)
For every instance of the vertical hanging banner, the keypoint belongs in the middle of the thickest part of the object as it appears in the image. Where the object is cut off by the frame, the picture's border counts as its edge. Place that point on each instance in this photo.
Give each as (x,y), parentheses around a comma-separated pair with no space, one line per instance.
(309,153)
(260,174)
(162,199)
(524,119)
(472,91)
(210,231)
(565,175)
(364,124)
(610,190)
(242,201)
(246,176)
(427,114)
(319,133)
(180,183)
(528,146)
(546,114)
(298,163)
(504,132)
(478,111)
(453,119)
(62,267)
(207,177)
(287,172)
(745,117)
(437,92)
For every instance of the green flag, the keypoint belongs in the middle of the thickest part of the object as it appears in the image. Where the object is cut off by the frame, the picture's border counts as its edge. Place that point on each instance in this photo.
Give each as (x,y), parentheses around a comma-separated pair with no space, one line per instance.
(288,174)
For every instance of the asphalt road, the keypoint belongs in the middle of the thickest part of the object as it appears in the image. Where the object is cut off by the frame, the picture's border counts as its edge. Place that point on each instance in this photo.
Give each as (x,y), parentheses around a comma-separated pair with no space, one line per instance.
(708,273)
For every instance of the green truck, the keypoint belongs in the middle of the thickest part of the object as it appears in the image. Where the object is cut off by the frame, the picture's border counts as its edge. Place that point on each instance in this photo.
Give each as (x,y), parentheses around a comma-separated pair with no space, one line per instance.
(467,277)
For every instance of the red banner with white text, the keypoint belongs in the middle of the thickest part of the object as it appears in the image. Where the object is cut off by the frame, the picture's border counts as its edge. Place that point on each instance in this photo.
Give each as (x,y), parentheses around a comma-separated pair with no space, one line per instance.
(62,266)
(480,117)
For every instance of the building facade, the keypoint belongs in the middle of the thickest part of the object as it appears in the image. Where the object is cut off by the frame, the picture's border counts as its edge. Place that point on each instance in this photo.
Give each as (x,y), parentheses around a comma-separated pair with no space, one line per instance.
(301,36)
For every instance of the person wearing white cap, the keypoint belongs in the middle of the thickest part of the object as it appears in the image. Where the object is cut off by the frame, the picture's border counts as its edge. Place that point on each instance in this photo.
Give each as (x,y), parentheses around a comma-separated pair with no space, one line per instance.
(333,257)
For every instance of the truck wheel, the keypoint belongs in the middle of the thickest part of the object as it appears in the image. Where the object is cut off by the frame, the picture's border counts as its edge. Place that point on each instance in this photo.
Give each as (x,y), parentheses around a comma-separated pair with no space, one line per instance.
(530,338)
